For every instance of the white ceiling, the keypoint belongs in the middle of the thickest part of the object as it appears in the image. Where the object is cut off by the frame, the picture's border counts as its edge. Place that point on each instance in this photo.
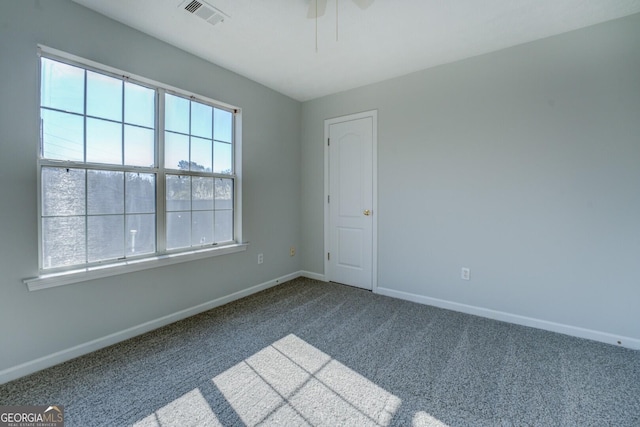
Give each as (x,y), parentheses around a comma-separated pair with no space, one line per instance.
(274,43)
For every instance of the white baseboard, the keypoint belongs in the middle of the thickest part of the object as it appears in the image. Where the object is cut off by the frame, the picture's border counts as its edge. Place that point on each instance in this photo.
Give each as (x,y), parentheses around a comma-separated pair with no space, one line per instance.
(32,366)
(605,337)
(311,275)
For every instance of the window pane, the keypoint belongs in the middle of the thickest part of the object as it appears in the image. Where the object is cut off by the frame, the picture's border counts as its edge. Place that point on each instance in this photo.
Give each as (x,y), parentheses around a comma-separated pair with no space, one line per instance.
(202,228)
(200,155)
(178,190)
(222,125)
(141,234)
(224,226)
(201,118)
(139,105)
(176,151)
(178,230)
(176,114)
(105,237)
(63,241)
(62,136)
(62,86)
(105,192)
(104,96)
(222,158)
(63,192)
(104,142)
(224,193)
(202,193)
(138,146)
(140,193)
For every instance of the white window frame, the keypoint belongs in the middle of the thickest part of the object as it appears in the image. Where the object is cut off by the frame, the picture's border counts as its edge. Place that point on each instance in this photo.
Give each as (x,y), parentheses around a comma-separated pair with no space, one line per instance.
(62,276)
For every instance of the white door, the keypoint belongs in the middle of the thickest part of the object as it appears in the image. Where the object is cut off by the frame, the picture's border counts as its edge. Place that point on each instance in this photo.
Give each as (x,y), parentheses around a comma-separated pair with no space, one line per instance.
(350,200)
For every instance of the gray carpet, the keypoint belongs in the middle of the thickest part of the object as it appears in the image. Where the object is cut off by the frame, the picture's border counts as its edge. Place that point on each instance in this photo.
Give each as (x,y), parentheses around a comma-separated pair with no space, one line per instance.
(312,353)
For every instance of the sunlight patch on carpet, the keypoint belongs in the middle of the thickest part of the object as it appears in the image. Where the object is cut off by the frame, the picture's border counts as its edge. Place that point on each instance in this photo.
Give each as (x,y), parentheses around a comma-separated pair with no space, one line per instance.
(191,409)
(292,382)
(422,419)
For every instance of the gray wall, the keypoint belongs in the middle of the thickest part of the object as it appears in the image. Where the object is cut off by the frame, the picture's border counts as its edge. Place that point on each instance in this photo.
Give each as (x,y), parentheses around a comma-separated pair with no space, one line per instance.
(36,324)
(523,165)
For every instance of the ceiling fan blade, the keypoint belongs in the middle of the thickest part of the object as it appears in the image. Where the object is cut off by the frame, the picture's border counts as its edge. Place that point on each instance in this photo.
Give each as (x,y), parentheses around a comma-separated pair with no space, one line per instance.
(321,8)
(363,4)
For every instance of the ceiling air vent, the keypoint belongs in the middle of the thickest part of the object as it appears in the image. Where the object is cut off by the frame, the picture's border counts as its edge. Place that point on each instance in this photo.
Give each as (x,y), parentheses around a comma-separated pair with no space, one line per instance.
(204,11)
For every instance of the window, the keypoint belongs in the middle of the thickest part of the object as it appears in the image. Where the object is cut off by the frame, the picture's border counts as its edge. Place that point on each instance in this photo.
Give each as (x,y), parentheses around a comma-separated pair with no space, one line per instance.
(198,158)
(130,169)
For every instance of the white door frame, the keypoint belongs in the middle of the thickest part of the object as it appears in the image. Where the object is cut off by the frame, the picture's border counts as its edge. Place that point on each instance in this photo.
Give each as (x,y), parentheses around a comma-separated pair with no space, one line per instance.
(327,233)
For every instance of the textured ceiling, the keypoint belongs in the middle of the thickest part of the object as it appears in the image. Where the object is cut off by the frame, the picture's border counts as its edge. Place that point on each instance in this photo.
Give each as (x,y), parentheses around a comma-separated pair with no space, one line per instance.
(274,43)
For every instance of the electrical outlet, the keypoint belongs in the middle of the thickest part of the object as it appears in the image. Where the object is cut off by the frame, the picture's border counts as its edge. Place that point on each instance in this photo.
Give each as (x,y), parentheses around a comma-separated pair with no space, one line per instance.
(465,273)
(292,251)
(260,258)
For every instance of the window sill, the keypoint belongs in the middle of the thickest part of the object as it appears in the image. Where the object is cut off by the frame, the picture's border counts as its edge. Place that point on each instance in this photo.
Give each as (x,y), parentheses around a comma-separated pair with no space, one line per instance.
(82,275)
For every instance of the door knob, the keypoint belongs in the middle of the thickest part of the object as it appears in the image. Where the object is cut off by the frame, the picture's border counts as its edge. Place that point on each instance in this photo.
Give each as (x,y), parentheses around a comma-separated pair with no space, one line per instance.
(367,212)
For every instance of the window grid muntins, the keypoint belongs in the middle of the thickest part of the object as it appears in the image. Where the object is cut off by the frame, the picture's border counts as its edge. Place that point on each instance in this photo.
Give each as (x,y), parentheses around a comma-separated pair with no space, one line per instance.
(199,201)
(100,162)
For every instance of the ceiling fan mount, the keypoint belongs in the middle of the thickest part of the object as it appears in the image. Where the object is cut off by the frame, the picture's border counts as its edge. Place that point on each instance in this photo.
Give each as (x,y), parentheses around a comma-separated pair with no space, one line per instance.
(317,8)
